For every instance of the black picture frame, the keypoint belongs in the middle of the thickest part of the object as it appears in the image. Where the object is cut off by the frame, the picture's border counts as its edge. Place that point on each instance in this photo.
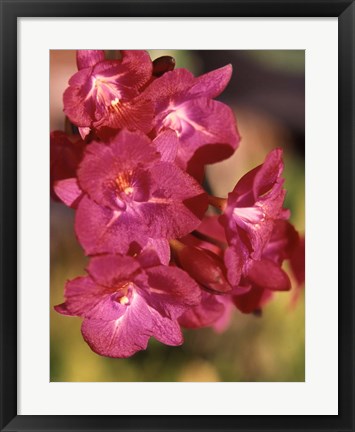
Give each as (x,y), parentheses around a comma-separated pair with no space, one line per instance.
(10,11)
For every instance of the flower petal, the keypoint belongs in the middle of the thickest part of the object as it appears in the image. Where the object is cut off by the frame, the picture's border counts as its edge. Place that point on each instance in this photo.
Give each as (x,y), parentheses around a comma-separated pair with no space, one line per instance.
(68,191)
(207,130)
(210,226)
(103,230)
(234,264)
(204,314)
(139,67)
(160,247)
(171,291)
(167,145)
(268,275)
(111,270)
(213,83)
(223,322)
(283,242)
(84,132)
(269,174)
(165,330)
(84,297)
(78,106)
(88,58)
(121,337)
(168,88)
(136,114)
(176,205)
(259,233)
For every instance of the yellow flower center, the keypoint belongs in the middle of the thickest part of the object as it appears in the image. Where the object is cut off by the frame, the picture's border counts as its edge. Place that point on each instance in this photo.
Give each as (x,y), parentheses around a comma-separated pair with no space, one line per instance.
(123,182)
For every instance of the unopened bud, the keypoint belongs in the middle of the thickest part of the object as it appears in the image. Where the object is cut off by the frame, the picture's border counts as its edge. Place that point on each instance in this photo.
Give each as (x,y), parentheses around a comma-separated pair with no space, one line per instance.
(163,64)
(205,267)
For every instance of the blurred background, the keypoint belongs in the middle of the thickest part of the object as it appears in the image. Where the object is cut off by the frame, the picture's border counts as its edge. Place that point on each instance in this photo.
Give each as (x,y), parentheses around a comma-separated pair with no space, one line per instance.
(267,94)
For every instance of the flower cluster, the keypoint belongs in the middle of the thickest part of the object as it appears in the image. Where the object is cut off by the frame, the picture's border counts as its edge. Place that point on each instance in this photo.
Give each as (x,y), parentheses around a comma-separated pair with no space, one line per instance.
(164,254)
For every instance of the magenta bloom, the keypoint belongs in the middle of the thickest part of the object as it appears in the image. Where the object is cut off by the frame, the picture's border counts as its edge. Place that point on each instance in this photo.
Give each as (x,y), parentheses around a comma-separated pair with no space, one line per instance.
(131,196)
(256,283)
(124,301)
(185,104)
(252,208)
(102,94)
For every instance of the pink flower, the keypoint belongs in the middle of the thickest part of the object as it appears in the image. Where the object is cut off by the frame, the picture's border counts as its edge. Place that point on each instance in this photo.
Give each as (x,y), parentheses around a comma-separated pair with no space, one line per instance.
(131,195)
(124,301)
(258,280)
(249,217)
(206,128)
(103,93)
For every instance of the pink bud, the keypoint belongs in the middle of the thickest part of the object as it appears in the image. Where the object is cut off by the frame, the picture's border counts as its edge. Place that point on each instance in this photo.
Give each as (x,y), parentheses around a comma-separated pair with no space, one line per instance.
(205,267)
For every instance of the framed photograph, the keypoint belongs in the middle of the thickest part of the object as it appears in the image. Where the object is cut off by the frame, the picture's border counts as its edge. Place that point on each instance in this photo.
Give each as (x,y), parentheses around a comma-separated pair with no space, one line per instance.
(177,216)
